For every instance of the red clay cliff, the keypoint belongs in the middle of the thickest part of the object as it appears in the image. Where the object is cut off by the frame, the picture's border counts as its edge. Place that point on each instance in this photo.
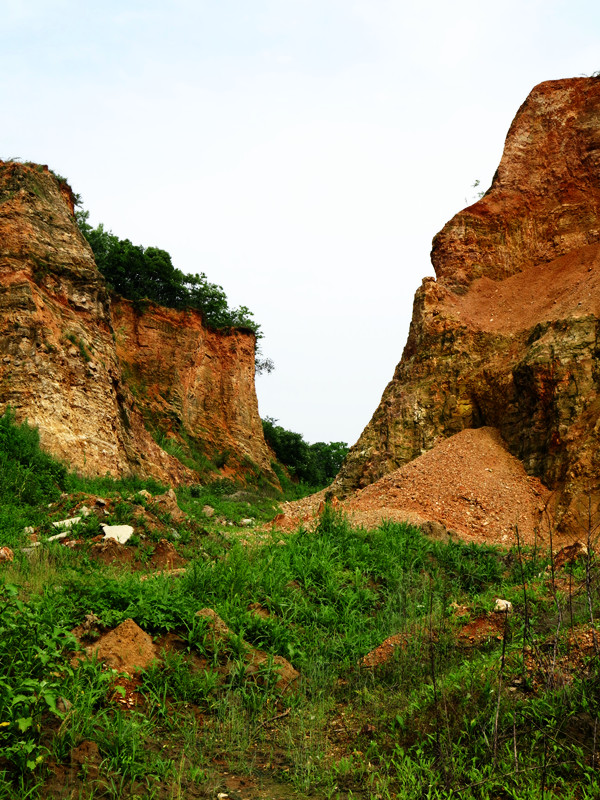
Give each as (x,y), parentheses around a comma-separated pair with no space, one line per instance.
(70,358)
(508,335)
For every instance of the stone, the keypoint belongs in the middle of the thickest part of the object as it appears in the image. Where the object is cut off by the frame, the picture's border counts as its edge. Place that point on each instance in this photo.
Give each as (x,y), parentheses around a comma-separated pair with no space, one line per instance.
(246,523)
(6,554)
(257,661)
(58,536)
(208,511)
(504,606)
(120,533)
(66,523)
(127,648)
(570,554)
(167,502)
(435,530)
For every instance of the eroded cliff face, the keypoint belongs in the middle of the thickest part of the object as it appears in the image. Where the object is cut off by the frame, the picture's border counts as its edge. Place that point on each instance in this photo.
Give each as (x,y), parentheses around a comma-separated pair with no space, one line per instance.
(508,334)
(195,384)
(59,361)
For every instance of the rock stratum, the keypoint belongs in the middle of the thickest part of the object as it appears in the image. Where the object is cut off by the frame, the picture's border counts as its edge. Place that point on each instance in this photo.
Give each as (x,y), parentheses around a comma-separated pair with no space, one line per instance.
(95,376)
(507,335)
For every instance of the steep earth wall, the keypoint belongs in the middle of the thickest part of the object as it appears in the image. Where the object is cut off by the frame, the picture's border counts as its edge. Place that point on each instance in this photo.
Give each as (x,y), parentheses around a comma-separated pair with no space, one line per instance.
(508,334)
(195,384)
(60,355)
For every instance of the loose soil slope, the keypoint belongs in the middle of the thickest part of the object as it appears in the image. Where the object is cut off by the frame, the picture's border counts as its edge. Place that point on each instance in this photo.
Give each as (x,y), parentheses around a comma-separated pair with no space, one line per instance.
(469,484)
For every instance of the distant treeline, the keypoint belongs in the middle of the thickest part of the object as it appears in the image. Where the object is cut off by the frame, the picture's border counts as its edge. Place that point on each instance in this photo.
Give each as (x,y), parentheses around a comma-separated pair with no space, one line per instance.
(314,464)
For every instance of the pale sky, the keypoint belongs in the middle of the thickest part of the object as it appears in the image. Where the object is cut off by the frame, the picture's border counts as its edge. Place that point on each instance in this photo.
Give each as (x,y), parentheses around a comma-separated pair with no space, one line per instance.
(301,153)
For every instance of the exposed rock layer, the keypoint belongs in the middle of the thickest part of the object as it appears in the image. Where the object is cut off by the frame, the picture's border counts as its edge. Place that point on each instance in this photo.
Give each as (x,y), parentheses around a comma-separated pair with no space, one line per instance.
(59,365)
(508,334)
(195,384)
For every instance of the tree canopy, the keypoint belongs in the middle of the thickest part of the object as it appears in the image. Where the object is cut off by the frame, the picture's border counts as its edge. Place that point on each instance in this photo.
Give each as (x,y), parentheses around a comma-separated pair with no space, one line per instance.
(147,273)
(315,464)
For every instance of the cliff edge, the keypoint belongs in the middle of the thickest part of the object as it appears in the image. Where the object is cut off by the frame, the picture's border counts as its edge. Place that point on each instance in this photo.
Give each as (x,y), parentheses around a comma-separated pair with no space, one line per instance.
(69,357)
(507,336)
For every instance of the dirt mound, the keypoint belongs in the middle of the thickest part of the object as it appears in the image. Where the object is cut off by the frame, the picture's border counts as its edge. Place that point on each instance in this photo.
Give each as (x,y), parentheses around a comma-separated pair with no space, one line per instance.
(469,484)
(126,648)
(166,557)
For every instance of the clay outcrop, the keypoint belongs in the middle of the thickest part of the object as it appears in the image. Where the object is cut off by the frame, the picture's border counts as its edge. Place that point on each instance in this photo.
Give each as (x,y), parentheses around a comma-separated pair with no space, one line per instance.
(69,357)
(193,383)
(508,334)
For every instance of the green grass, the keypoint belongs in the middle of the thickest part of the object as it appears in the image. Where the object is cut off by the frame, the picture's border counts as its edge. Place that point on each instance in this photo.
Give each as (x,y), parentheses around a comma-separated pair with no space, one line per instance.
(442,718)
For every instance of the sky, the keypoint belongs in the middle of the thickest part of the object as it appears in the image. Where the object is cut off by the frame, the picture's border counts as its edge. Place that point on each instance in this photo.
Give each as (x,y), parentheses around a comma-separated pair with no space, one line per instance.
(301,153)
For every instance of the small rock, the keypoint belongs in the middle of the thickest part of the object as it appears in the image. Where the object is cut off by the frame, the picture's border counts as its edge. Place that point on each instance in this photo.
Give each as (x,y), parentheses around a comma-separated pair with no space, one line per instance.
(246,522)
(85,511)
(145,494)
(570,554)
(67,523)
(6,554)
(208,511)
(120,533)
(435,530)
(29,530)
(57,537)
(100,501)
(503,605)
(168,502)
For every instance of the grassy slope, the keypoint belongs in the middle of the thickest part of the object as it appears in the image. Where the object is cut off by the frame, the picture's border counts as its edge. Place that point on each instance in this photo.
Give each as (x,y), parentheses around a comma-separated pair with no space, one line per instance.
(486,718)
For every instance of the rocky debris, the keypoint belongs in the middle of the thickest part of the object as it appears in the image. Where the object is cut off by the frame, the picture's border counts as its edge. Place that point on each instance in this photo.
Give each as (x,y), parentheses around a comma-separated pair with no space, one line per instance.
(127,648)
(60,536)
(569,554)
(108,551)
(503,606)
(506,336)
(6,554)
(257,662)
(219,630)
(166,557)
(208,511)
(481,629)
(167,503)
(458,610)
(384,652)
(468,487)
(438,532)
(85,758)
(120,533)
(65,523)
(89,627)
(259,610)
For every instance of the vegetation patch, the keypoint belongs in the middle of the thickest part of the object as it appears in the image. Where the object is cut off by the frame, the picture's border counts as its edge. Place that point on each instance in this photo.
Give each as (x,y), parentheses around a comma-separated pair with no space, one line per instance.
(410,685)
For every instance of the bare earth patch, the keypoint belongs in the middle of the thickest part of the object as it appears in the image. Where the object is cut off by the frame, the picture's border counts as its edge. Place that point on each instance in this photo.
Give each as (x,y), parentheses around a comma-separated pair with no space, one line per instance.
(469,483)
